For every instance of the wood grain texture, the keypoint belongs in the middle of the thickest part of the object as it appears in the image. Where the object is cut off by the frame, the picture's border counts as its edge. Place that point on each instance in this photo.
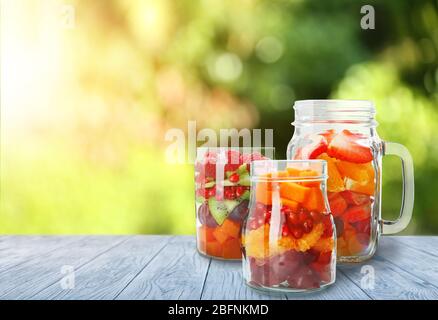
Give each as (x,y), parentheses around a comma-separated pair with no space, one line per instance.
(178,272)
(108,274)
(164,267)
(32,276)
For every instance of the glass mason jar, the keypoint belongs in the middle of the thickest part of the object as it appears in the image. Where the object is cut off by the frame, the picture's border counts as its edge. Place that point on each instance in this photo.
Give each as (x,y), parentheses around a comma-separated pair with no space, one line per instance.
(222,184)
(288,235)
(343,132)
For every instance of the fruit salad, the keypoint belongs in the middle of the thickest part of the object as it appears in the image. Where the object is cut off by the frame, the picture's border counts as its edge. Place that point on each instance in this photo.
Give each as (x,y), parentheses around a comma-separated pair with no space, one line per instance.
(288,240)
(222,186)
(351,185)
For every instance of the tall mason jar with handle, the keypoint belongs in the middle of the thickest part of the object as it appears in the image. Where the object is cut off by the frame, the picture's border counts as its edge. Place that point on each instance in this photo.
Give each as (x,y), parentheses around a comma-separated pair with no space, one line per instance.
(343,132)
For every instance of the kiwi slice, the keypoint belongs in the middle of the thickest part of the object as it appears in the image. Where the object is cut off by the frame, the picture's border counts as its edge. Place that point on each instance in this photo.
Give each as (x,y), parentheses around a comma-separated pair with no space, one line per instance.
(245,180)
(220,210)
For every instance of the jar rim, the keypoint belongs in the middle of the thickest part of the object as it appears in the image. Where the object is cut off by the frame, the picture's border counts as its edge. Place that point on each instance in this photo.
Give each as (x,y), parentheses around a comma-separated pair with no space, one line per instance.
(337,104)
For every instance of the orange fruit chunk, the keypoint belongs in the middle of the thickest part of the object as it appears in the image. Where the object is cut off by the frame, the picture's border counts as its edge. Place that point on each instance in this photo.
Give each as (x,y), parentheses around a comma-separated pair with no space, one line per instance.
(294,191)
(220,236)
(231,249)
(361,173)
(263,193)
(214,248)
(293,205)
(324,245)
(314,200)
(335,182)
(230,228)
(306,242)
(366,188)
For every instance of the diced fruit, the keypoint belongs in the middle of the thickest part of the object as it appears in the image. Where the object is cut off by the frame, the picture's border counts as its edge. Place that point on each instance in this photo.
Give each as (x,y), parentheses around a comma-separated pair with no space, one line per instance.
(292,219)
(234,178)
(214,248)
(293,172)
(206,233)
(291,204)
(335,183)
(245,180)
(324,245)
(231,204)
(337,205)
(239,212)
(361,173)
(297,232)
(220,236)
(357,213)
(363,238)
(205,217)
(218,210)
(354,198)
(345,146)
(354,246)
(263,193)
(294,191)
(328,135)
(367,188)
(230,228)
(314,200)
(317,144)
(232,249)
(363,226)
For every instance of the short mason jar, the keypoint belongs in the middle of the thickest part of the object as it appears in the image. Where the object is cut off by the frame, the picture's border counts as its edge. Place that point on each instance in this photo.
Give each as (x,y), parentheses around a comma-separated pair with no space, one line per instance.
(288,236)
(343,132)
(222,189)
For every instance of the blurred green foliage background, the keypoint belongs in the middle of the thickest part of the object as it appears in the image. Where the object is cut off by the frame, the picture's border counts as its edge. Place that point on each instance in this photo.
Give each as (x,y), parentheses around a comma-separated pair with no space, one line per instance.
(90,88)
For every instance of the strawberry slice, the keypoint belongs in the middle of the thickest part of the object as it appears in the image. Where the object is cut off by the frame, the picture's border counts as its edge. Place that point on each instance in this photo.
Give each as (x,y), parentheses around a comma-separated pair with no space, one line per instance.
(355,198)
(328,135)
(316,146)
(345,146)
(337,205)
(357,213)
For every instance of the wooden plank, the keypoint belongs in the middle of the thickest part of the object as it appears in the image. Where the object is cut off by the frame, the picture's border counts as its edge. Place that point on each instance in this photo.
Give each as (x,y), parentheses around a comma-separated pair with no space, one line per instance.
(426,244)
(106,276)
(177,272)
(413,260)
(32,276)
(391,281)
(15,250)
(224,281)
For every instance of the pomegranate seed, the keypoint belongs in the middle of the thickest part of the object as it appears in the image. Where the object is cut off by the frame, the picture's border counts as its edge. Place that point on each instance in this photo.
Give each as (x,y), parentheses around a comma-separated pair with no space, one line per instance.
(239,191)
(285,231)
(211,192)
(316,216)
(234,178)
(303,216)
(308,225)
(297,232)
(293,218)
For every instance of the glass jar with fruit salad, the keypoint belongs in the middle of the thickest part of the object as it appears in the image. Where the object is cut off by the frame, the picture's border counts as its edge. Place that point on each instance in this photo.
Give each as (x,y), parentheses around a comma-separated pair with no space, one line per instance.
(222,184)
(343,132)
(288,237)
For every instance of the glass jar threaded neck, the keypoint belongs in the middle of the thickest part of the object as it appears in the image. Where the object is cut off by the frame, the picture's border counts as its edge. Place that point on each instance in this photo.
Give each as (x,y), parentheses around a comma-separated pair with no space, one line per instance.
(354,112)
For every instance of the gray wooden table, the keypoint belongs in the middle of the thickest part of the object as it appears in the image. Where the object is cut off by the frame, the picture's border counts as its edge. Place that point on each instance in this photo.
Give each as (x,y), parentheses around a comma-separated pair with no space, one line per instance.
(169,267)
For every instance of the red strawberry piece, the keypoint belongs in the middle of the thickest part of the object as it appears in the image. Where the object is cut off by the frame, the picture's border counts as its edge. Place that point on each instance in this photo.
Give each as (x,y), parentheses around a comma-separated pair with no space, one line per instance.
(345,146)
(363,226)
(355,198)
(328,135)
(337,205)
(357,213)
(325,257)
(328,227)
(234,178)
(317,144)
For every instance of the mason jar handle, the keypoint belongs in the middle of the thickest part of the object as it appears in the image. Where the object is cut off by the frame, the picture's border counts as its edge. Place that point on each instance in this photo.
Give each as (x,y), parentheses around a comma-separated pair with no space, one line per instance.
(407,204)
